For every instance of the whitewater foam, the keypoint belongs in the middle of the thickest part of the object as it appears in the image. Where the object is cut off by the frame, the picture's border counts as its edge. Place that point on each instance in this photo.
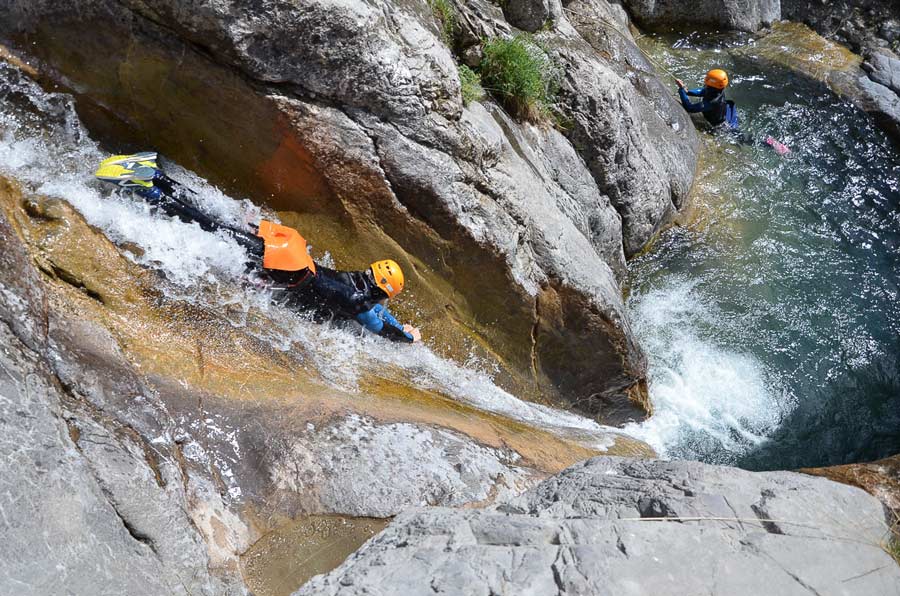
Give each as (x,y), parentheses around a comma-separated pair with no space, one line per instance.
(181,250)
(710,402)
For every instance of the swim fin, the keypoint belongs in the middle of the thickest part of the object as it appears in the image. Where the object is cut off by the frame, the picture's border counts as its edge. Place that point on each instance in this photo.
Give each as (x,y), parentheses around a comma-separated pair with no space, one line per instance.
(129,171)
(731,114)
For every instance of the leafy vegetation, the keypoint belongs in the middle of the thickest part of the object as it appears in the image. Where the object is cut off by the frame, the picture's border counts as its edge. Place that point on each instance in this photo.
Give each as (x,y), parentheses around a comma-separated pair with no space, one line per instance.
(444,12)
(521,75)
(470,83)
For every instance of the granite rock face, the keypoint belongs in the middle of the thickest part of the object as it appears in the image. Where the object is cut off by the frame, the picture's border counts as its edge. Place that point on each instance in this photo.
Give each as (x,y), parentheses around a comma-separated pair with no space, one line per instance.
(883,103)
(368,470)
(352,111)
(600,527)
(598,97)
(741,15)
(883,67)
(108,506)
(882,88)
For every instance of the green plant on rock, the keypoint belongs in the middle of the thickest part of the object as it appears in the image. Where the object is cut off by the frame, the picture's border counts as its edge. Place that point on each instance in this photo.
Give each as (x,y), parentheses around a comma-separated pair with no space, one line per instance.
(521,75)
(892,544)
(894,550)
(470,85)
(445,14)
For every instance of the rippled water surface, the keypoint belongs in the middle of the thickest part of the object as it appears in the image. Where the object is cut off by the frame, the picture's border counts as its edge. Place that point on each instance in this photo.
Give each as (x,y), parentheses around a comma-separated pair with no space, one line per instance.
(772,317)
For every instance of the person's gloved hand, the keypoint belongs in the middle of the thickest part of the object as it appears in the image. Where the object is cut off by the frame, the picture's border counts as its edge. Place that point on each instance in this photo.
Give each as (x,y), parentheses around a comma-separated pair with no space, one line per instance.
(414,331)
(680,83)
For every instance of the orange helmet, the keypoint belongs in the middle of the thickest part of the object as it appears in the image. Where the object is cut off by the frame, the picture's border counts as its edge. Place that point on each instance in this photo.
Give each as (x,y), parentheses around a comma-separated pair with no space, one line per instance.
(388,277)
(716,78)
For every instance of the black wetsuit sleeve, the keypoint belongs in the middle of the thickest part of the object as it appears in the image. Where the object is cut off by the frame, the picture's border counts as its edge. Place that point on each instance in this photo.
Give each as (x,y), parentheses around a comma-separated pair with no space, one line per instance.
(338,295)
(396,334)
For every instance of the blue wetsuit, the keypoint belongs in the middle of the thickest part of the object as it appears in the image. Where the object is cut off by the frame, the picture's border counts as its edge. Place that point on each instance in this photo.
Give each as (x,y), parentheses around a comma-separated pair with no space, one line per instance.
(714,107)
(327,293)
(381,322)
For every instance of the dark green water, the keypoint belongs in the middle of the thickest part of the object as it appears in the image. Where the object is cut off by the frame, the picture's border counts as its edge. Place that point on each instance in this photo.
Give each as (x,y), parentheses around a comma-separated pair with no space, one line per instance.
(773,322)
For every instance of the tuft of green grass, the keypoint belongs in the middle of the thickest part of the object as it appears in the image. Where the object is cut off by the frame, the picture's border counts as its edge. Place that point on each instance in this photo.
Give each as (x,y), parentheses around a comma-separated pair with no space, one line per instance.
(445,14)
(521,75)
(893,542)
(470,85)
(893,549)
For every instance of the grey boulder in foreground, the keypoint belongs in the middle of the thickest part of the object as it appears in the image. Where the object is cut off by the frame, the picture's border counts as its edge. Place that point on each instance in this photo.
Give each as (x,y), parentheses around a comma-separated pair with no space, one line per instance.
(586,531)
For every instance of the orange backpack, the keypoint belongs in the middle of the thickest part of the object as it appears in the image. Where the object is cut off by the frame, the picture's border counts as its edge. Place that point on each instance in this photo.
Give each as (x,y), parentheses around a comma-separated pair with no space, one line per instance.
(285,248)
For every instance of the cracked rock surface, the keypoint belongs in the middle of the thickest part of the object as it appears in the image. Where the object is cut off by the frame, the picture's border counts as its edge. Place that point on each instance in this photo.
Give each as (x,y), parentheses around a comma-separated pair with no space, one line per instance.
(85,508)
(595,529)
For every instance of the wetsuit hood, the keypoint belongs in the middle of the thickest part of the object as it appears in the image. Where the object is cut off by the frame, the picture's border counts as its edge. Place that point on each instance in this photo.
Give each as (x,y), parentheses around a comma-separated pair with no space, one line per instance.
(711,93)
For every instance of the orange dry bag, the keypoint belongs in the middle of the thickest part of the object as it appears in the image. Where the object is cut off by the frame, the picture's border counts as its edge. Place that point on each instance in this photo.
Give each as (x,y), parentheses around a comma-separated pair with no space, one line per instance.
(285,248)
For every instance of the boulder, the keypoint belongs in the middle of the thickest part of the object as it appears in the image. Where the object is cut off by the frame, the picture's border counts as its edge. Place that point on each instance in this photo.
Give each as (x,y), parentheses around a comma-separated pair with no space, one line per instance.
(531,15)
(628,130)
(882,102)
(883,67)
(741,15)
(618,526)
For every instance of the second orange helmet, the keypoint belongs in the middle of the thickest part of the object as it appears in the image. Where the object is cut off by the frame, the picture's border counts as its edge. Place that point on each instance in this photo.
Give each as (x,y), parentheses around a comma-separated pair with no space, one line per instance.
(716,78)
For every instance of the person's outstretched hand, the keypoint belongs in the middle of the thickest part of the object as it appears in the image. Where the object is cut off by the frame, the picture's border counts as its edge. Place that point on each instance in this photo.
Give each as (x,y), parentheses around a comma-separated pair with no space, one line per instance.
(680,83)
(414,331)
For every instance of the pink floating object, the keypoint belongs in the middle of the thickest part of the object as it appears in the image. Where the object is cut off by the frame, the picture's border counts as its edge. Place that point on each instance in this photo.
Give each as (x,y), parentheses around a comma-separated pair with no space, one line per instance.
(780,148)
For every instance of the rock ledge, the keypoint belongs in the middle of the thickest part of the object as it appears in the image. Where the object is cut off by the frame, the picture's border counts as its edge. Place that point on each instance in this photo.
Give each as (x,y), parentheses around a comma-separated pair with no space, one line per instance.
(595,529)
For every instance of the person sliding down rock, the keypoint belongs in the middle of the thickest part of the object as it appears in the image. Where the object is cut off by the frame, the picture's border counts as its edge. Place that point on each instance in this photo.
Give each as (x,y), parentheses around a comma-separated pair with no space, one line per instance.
(714,107)
(279,253)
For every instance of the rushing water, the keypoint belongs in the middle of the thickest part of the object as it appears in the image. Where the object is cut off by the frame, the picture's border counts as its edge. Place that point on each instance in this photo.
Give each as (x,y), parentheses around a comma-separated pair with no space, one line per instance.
(44,145)
(772,320)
